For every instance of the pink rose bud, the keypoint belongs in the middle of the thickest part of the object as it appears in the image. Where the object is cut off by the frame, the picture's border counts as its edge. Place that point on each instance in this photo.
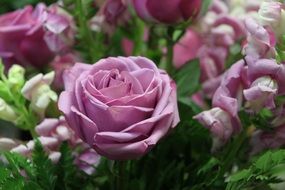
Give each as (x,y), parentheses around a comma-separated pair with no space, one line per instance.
(261,93)
(99,99)
(218,122)
(167,11)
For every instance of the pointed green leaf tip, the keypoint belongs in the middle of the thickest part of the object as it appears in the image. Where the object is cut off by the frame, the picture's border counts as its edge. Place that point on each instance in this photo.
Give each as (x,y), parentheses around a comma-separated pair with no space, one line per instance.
(188,78)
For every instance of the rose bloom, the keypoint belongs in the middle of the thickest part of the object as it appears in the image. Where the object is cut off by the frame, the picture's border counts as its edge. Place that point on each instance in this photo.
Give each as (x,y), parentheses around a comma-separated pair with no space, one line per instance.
(166,11)
(119,106)
(33,36)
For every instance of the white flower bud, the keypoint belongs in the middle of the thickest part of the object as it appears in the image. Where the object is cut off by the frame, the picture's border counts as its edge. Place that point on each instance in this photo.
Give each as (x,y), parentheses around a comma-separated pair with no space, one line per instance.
(16,75)
(38,91)
(6,112)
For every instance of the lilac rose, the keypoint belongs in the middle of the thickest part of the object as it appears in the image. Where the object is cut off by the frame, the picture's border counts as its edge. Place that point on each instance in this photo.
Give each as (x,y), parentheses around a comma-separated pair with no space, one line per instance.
(119,106)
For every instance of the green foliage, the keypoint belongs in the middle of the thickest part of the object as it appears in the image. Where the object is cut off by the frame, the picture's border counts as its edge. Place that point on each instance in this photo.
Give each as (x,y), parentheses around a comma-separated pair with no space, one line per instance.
(89,42)
(68,174)
(260,173)
(10,5)
(206,4)
(43,168)
(261,120)
(10,91)
(188,78)
(39,173)
(234,54)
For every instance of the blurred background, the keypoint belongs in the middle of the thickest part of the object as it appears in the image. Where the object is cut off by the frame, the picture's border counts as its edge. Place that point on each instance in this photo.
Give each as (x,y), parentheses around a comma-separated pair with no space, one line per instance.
(6,128)
(10,5)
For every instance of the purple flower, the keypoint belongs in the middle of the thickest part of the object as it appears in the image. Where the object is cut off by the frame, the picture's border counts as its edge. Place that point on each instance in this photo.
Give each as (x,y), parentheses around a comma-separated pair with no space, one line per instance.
(265,80)
(87,160)
(60,63)
(262,140)
(50,144)
(226,30)
(187,48)
(33,36)
(52,133)
(219,7)
(56,128)
(222,119)
(111,14)
(261,93)
(260,43)
(218,121)
(229,95)
(212,62)
(267,67)
(119,106)
(167,11)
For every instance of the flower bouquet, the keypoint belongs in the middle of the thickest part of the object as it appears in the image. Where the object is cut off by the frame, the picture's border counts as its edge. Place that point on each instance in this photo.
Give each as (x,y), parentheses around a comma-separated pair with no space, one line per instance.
(142,94)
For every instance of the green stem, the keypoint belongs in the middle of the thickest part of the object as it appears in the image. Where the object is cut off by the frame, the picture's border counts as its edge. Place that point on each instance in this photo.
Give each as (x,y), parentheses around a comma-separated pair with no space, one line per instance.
(139,37)
(29,119)
(85,32)
(169,57)
(121,176)
(232,153)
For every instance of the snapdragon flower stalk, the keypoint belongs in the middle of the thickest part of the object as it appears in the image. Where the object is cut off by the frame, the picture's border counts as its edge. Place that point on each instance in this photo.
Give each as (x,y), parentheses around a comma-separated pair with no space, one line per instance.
(10,92)
(249,86)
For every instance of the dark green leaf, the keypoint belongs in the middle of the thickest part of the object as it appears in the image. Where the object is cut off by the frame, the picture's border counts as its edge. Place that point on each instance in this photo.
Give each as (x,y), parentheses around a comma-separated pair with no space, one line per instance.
(44,169)
(208,166)
(187,78)
(206,4)
(241,175)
